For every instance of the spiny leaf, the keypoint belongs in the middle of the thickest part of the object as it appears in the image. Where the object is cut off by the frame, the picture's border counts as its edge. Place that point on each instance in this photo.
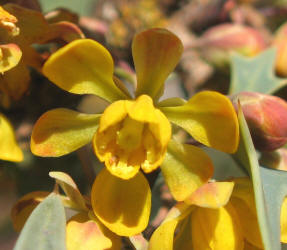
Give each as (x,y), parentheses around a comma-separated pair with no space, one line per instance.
(270,187)
(255,74)
(45,228)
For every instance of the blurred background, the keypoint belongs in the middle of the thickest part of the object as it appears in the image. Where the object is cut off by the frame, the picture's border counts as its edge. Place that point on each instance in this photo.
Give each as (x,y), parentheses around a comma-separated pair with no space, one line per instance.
(210,30)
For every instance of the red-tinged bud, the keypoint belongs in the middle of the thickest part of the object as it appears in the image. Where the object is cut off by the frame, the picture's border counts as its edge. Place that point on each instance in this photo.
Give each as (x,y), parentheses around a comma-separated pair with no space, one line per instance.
(219,41)
(280,43)
(276,159)
(266,117)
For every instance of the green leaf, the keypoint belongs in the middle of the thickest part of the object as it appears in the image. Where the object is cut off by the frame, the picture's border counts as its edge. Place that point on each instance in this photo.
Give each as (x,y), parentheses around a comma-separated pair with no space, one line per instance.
(270,187)
(46,227)
(255,74)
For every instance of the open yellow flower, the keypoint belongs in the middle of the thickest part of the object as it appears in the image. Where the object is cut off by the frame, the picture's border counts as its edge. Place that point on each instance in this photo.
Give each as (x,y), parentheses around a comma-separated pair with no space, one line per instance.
(134,134)
(216,216)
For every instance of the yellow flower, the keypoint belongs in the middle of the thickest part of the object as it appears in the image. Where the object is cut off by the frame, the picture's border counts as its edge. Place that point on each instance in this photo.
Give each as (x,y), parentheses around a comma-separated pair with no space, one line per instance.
(84,231)
(134,134)
(20,28)
(10,55)
(216,216)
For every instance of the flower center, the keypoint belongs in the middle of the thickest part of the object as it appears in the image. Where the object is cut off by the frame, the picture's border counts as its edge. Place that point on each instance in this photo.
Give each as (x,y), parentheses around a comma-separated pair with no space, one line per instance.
(132,135)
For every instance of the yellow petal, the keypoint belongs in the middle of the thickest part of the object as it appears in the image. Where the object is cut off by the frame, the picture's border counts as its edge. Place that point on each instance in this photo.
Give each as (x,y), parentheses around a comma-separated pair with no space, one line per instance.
(210,118)
(9,149)
(70,188)
(161,128)
(183,238)
(171,102)
(10,55)
(113,114)
(283,220)
(248,221)
(83,233)
(212,195)
(216,229)
(185,168)
(84,67)
(163,236)
(142,109)
(122,205)
(61,131)
(24,207)
(243,201)
(156,53)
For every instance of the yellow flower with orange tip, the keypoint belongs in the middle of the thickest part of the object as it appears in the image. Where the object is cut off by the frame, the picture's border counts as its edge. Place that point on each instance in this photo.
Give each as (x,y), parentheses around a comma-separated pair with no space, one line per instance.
(219,215)
(83,230)
(134,133)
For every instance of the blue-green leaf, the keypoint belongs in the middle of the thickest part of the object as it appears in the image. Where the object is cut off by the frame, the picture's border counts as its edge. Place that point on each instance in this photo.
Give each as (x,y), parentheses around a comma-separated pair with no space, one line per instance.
(45,229)
(247,157)
(255,74)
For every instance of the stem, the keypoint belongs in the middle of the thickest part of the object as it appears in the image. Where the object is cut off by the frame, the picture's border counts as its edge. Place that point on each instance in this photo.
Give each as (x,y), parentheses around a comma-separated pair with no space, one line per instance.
(87,164)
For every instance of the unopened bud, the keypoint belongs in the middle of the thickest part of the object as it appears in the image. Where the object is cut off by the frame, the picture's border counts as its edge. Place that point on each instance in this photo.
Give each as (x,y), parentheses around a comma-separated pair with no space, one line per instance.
(280,43)
(266,117)
(276,159)
(218,42)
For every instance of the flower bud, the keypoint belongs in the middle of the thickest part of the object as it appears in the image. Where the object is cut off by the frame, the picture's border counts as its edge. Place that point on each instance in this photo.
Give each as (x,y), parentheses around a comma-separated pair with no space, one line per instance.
(280,43)
(276,159)
(266,117)
(218,42)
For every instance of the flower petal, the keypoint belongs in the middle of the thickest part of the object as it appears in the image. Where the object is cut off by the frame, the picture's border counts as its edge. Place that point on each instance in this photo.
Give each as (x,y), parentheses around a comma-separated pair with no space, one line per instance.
(283,220)
(8,21)
(212,195)
(66,31)
(183,238)
(24,207)
(163,236)
(70,188)
(210,118)
(9,149)
(185,168)
(61,131)
(122,205)
(10,55)
(171,102)
(84,67)
(14,83)
(216,229)
(243,201)
(248,221)
(156,53)
(139,242)
(84,233)
(113,114)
